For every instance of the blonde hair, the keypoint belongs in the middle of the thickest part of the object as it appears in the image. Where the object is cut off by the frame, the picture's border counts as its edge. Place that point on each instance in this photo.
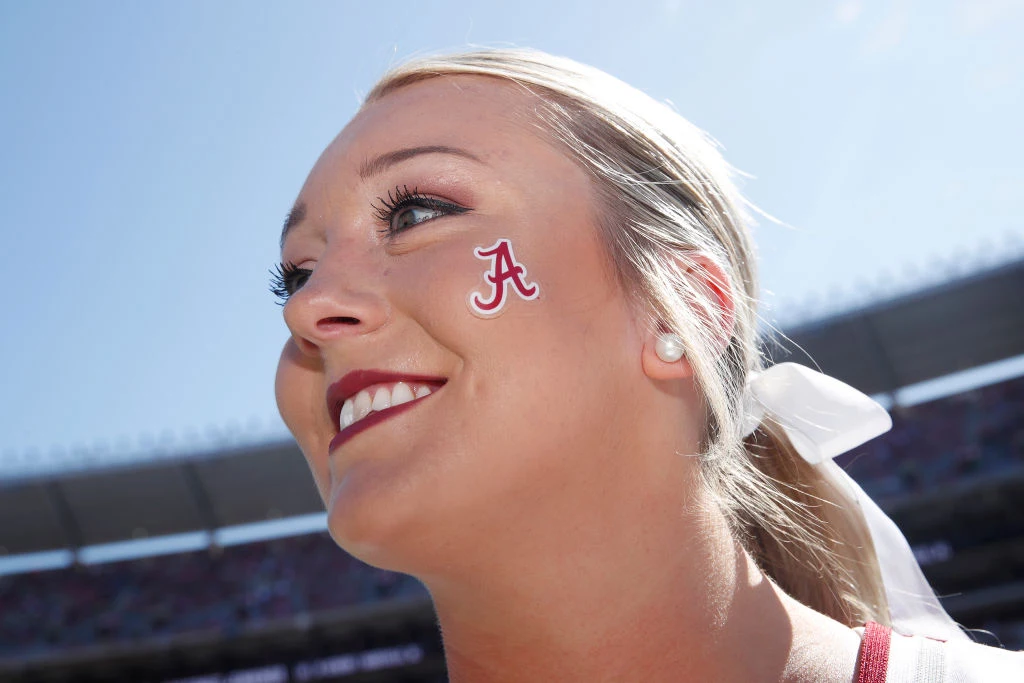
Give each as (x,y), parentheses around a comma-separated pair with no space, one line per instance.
(668,202)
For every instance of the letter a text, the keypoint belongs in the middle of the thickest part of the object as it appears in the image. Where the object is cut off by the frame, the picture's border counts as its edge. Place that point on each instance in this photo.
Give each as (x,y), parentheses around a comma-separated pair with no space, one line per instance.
(505,272)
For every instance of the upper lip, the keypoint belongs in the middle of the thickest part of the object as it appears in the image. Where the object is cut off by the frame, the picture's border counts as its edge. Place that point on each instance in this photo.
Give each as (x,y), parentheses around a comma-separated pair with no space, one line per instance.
(357,380)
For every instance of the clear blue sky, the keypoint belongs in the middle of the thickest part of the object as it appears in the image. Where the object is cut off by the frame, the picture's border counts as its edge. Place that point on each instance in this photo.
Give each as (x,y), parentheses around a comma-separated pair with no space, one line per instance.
(151,149)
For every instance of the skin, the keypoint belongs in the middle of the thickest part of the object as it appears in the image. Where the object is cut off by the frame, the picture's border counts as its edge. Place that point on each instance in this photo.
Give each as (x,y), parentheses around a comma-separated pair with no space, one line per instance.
(546,495)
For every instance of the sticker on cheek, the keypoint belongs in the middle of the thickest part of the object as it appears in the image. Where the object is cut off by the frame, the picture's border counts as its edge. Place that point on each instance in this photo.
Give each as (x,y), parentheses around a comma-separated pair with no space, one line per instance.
(505,273)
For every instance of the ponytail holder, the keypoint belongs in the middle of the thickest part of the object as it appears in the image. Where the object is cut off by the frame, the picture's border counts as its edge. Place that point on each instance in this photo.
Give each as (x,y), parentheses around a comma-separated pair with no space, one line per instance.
(824,417)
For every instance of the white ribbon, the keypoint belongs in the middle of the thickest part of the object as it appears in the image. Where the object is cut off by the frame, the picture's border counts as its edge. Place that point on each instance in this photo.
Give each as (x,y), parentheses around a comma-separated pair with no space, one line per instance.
(824,417)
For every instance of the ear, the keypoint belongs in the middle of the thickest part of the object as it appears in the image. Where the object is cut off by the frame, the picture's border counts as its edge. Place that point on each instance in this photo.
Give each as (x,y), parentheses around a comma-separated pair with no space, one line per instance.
(709,279)
(712,280)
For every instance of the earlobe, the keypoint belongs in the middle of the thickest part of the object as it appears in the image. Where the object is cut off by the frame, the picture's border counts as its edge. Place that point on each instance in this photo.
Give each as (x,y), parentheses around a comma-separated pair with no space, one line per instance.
(663,357)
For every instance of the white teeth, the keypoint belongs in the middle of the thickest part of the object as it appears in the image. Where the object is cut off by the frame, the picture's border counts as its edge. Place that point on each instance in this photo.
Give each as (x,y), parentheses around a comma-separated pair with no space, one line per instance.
(401,394)
(362,405)
(382,399)
(348,415)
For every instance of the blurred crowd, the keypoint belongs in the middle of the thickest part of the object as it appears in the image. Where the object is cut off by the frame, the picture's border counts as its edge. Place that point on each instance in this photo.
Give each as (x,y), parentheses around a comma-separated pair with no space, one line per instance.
(219,590)
(224,590)
(979,432)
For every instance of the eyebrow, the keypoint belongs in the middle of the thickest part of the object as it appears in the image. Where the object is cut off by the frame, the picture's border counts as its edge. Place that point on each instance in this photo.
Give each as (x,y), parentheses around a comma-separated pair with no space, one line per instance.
(379,164)
(376,166)
(294,217)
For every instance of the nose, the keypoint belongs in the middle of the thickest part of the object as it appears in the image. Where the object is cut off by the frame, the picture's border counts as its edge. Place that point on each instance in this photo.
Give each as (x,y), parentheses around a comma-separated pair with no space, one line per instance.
(332,306)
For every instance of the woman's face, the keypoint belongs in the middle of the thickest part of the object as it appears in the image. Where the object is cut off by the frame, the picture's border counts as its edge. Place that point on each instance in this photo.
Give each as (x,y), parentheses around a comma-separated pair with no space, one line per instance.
(531,409)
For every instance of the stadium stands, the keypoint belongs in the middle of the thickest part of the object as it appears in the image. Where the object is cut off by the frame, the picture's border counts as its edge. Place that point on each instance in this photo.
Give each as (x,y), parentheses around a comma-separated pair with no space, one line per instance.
(219,589)
(972,434)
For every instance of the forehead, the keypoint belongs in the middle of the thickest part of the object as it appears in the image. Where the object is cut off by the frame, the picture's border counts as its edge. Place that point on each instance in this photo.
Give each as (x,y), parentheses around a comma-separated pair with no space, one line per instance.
(436,104)
(488,116)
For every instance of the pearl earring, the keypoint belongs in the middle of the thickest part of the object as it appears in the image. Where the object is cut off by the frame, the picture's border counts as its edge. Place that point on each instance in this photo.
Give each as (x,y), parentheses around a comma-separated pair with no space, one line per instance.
(669,347)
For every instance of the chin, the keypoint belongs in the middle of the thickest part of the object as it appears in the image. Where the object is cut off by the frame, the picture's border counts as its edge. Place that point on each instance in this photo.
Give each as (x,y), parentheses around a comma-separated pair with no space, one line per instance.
(376,519)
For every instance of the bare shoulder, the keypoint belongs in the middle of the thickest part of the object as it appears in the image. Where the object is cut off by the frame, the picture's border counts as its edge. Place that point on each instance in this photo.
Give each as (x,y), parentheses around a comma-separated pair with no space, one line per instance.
(823,650)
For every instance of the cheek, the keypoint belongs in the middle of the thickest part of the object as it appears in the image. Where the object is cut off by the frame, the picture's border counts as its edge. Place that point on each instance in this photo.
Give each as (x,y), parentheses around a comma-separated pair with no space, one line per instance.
(552,363)
(538,375)
(298,388)
(432,288)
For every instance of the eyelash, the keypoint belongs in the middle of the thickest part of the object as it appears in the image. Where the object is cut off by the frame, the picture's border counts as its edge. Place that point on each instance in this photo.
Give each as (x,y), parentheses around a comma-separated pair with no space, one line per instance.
(284,280)
(387,209)
(287,278)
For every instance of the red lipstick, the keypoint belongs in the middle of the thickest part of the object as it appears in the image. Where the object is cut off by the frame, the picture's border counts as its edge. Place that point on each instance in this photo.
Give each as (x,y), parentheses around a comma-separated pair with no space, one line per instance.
(357,380)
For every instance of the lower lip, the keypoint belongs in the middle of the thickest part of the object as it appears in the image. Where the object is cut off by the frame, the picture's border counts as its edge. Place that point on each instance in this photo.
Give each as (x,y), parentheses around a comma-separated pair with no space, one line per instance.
(372,419)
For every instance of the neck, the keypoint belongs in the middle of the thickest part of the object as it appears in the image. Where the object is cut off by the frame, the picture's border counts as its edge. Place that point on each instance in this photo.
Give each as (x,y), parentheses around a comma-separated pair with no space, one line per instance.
(614,610)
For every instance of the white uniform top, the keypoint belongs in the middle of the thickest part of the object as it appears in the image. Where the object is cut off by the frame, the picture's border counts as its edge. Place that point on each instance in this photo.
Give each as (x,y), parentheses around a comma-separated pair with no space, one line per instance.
(918,659)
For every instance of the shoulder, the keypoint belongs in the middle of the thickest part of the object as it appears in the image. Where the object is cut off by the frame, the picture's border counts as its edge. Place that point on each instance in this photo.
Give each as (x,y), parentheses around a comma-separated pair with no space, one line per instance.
(918,659)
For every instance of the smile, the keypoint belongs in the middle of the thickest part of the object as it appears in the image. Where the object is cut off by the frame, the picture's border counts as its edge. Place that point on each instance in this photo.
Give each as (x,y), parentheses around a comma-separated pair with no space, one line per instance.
(364,398)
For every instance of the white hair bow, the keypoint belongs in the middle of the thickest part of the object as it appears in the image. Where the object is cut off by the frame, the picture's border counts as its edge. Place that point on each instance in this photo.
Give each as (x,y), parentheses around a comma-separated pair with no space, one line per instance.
(824,417)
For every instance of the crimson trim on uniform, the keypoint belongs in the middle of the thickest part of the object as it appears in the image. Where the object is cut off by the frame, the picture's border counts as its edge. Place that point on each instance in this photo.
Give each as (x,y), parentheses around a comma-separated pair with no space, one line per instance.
(874,653)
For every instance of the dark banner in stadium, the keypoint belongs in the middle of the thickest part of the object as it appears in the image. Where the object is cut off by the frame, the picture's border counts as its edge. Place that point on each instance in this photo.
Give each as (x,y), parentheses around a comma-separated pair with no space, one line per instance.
(324,668)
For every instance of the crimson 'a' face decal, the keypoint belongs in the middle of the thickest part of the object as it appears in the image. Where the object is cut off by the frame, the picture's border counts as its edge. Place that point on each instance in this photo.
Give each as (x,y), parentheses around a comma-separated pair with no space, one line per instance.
(505,272)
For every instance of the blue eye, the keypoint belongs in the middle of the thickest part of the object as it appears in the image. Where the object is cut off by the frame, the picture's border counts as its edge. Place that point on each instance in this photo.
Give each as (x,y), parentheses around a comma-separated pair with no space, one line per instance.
(404,209)
(410,216)
(286,279)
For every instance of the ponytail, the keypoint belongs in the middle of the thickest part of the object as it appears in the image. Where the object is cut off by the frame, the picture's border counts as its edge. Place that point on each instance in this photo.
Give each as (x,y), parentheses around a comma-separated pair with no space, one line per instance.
(809,537)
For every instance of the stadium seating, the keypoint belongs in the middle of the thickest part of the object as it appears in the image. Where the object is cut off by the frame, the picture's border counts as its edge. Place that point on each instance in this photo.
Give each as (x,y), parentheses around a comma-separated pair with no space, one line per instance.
(978,432)
(215,590)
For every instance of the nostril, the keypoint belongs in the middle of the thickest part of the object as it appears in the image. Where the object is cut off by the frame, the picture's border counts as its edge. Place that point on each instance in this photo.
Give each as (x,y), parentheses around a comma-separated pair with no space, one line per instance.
(335,321)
